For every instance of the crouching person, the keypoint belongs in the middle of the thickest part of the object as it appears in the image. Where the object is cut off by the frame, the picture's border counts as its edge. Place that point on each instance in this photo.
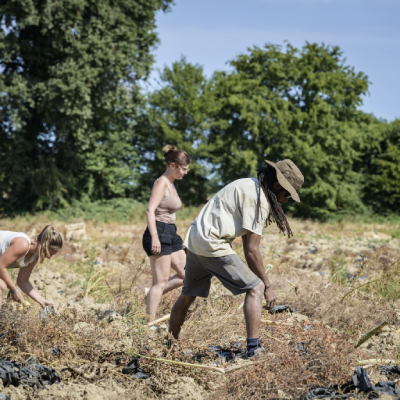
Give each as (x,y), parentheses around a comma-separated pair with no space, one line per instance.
(18,250)
(241,208)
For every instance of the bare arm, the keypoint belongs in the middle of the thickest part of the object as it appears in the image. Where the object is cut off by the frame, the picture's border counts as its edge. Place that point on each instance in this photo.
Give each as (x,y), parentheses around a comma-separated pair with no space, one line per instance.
(19,247)
(26,286)
(251,247)
(156,196)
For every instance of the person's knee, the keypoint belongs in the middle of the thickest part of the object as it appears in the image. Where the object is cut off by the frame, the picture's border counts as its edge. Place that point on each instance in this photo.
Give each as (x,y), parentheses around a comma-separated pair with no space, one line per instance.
(258,290)
(184,301)
(161,283)
(261,286)
(187,299)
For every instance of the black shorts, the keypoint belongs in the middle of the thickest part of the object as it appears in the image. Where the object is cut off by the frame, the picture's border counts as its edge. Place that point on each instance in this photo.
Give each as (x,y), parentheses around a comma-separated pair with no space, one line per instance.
(169,239)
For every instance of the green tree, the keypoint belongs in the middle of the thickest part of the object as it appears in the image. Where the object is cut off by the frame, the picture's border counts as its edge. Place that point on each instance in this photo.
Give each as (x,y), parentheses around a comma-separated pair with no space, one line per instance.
(178,113)
(300,104)
(69,95)
(382,188)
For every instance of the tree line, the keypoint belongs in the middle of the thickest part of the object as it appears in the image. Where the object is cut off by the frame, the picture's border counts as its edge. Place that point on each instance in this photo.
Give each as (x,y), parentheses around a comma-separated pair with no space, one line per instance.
(77,123)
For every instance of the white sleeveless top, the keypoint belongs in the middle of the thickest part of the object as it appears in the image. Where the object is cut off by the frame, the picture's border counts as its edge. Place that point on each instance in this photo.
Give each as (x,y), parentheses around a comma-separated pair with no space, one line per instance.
(5,239)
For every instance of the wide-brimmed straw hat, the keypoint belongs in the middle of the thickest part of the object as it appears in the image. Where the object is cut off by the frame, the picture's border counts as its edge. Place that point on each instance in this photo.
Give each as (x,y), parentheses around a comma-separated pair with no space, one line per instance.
(289,176)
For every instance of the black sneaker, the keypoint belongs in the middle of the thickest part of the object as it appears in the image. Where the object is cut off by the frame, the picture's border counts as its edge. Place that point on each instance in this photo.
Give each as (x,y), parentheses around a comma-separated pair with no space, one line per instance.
(256,353)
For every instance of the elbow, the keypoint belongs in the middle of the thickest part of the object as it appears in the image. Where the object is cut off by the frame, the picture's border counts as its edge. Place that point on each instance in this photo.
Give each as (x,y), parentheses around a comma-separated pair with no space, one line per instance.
(251,251)
(21,282)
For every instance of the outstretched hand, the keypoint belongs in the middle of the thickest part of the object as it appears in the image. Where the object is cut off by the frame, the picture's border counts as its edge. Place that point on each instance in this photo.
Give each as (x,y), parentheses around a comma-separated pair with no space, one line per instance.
(47,303)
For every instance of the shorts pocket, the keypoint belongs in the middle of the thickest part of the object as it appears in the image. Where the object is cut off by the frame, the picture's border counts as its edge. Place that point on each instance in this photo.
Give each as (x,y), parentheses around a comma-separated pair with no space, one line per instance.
(165,239)
(224,260)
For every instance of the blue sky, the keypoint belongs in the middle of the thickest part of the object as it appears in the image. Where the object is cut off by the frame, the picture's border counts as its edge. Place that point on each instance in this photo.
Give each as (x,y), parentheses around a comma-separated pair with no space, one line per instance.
(211,32)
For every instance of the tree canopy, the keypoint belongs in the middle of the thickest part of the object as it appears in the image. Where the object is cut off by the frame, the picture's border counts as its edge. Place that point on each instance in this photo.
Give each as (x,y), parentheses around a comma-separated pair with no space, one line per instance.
(382,189)
(300,104)
(69,95)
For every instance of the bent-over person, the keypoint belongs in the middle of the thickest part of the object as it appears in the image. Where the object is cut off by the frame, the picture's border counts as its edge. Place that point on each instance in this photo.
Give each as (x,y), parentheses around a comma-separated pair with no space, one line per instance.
(18,250)
(241,208)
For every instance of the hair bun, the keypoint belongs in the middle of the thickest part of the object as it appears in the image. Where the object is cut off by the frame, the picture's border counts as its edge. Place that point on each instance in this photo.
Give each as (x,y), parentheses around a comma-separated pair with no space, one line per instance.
(173,155)
(167,148)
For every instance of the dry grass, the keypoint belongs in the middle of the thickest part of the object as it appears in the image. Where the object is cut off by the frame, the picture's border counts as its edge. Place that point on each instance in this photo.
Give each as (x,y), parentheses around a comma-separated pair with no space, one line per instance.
(283,370)
(316,357)
(348,305)
(88,355)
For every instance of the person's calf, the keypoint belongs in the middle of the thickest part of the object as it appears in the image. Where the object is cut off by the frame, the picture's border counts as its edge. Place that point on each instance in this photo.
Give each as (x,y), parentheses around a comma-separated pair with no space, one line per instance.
(174,282)
(153,300)
(252,310)
(178,314)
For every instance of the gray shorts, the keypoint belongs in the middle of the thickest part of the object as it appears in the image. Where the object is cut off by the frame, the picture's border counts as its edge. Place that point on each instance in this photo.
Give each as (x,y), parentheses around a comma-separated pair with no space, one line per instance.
(233,273)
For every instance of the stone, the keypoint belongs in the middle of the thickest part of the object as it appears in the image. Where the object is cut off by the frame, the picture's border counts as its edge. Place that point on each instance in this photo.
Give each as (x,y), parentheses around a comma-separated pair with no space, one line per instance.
(114,316)
(377,235)
(57,275)
(352,269)
(282,395)
(383,236)
(370,235)
(75,231)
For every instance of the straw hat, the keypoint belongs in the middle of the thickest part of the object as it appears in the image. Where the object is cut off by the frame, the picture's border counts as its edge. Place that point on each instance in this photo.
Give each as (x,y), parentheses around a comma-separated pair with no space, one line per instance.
(289,176)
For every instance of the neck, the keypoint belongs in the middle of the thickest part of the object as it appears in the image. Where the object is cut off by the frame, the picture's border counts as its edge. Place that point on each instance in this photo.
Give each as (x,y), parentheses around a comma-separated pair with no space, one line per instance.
(34,246)
(168,174)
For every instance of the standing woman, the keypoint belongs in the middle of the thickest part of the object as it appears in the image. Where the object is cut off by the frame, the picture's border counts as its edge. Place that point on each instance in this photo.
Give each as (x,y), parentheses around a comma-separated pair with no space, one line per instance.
(18,250)
(160,240)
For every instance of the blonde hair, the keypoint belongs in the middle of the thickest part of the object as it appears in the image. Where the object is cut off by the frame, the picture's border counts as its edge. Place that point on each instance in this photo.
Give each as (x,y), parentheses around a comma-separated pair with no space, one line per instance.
(173,155)
(169,147)
(48,239)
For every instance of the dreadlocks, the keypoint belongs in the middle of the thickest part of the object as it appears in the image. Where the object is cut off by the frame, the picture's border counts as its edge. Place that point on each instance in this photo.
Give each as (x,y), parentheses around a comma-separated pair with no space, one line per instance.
(266,178)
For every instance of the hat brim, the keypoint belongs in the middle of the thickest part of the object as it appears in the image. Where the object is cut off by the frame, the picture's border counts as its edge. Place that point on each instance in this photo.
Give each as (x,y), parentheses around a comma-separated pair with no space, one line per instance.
(284,182)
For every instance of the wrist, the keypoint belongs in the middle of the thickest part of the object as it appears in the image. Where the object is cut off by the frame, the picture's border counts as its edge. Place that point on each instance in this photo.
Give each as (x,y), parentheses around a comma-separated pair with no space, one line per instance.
(14,291)
(267,285)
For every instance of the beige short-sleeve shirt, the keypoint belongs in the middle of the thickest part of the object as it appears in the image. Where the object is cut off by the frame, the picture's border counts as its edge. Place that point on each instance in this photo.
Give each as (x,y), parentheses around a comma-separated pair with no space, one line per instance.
(228,215)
